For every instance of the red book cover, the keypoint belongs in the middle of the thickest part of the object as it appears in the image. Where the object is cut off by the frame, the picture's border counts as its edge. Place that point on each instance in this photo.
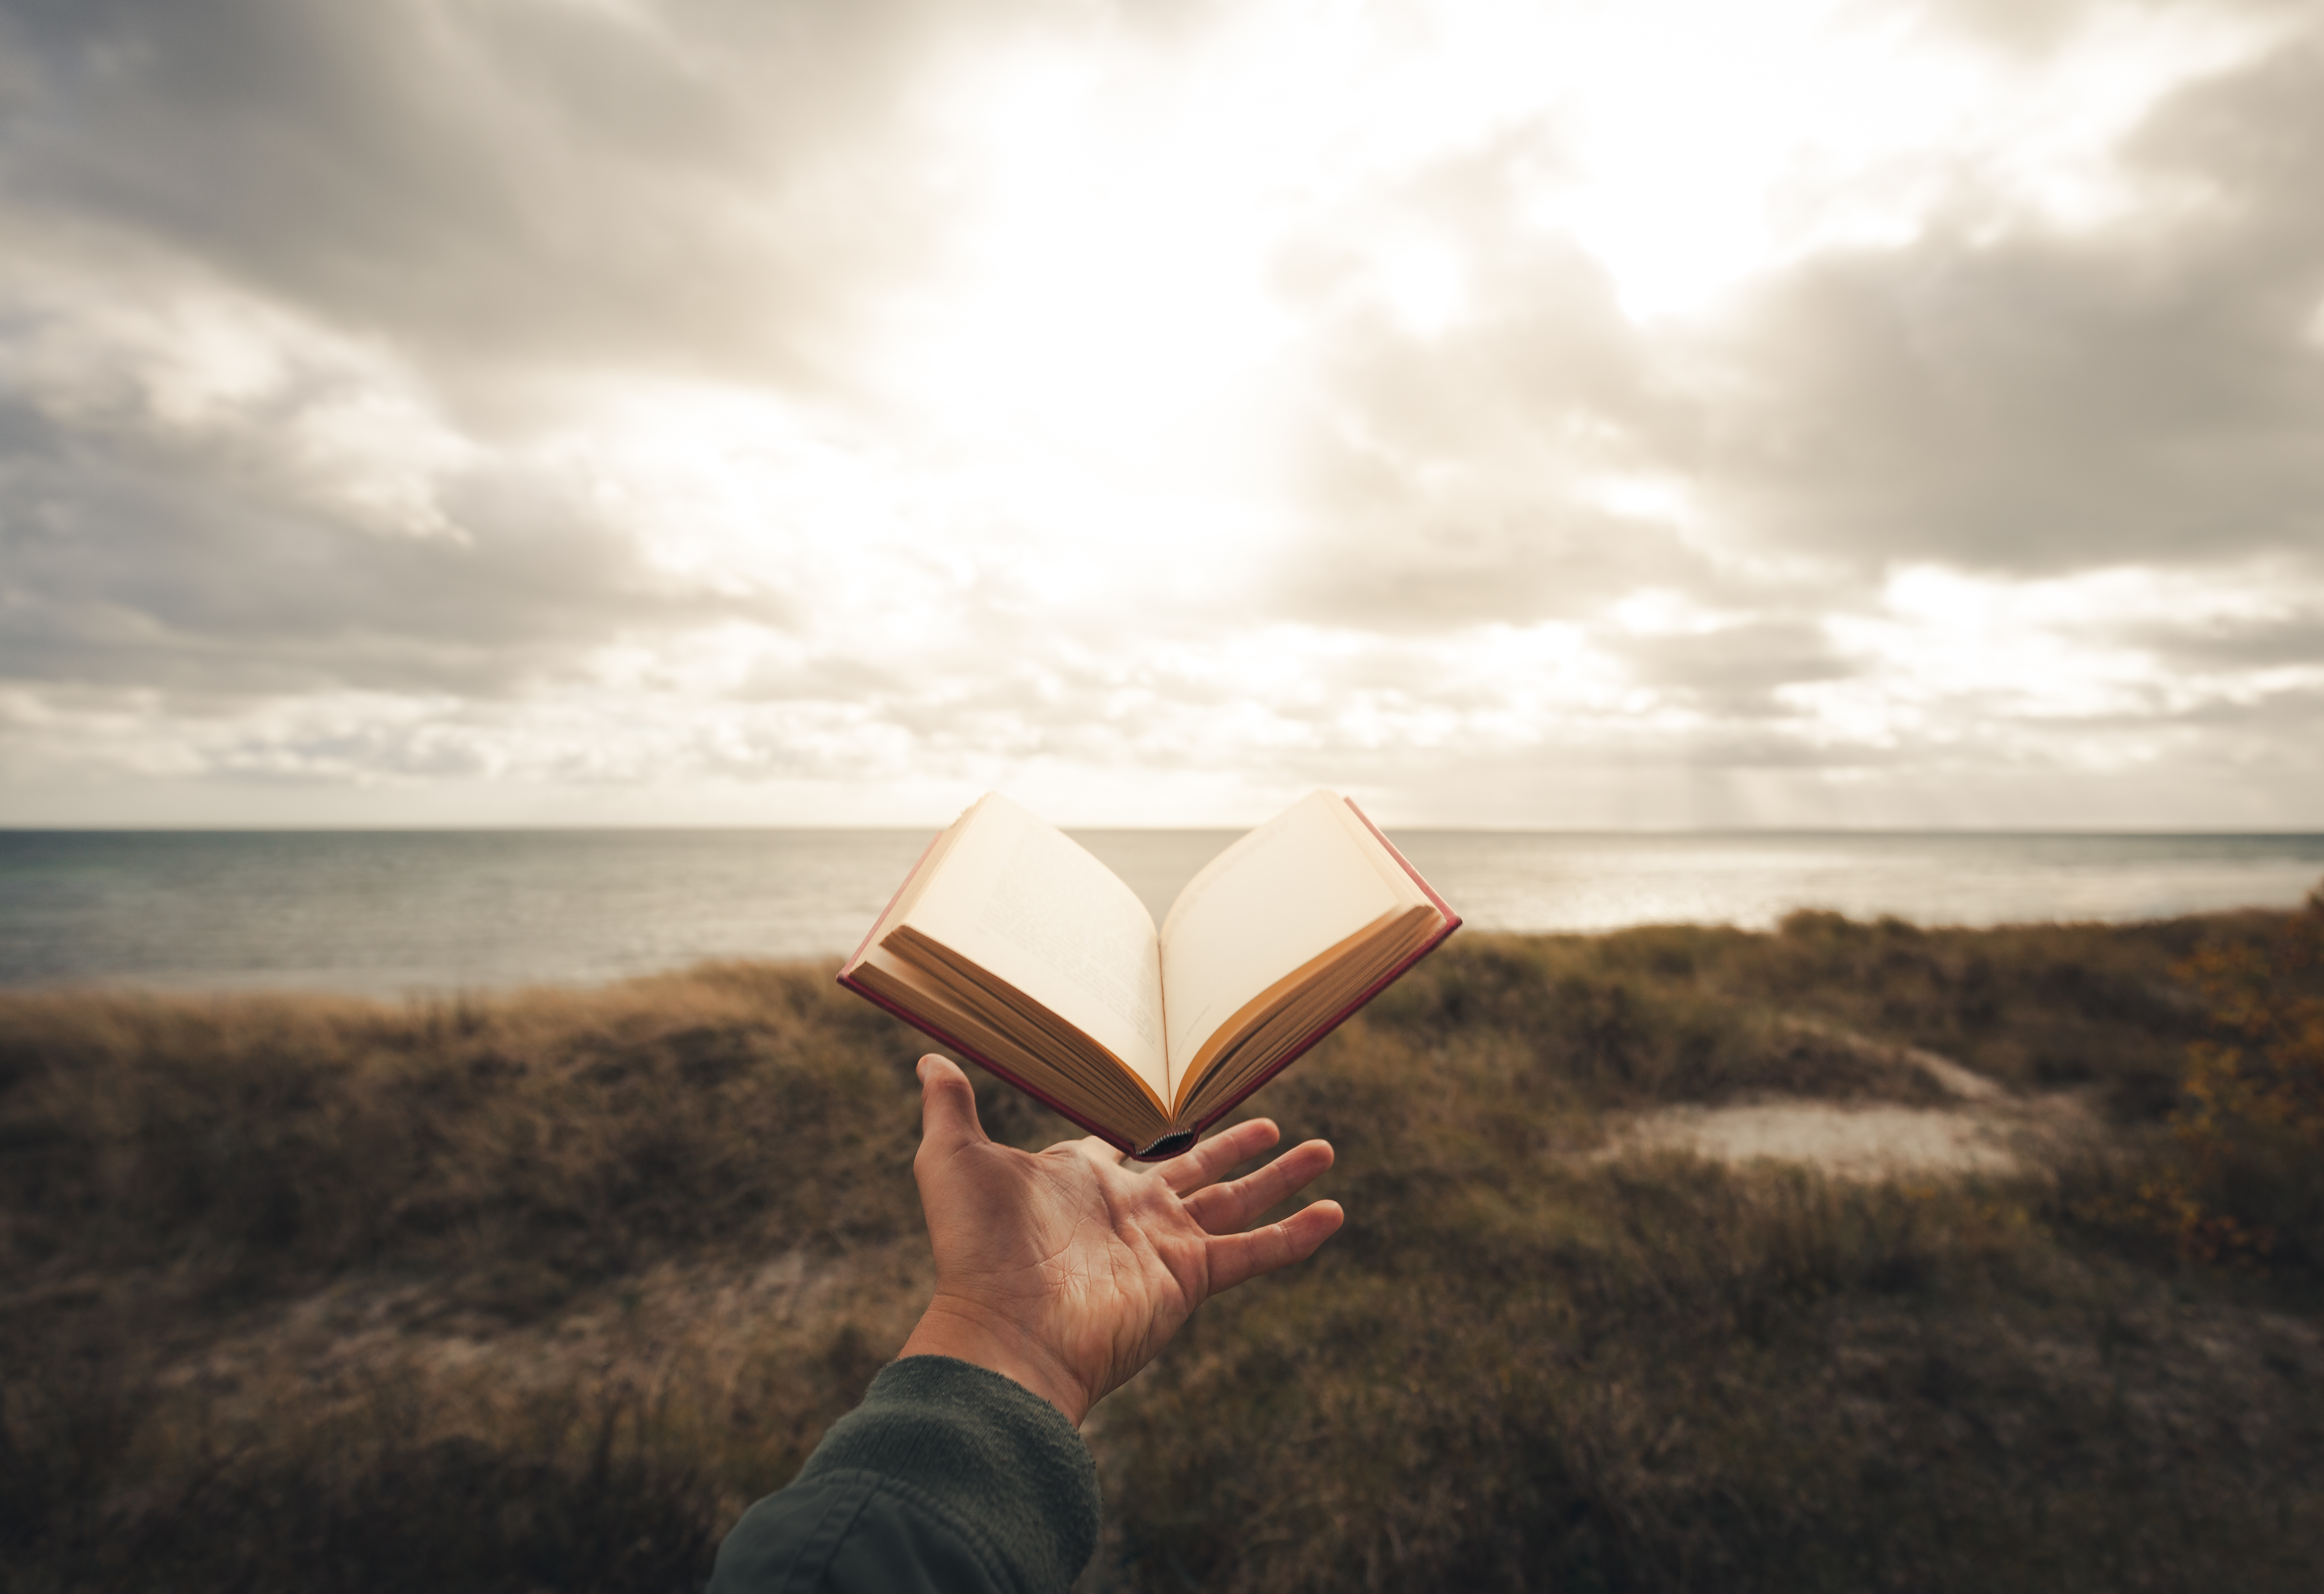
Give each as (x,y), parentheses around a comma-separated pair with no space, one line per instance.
(1172,1144)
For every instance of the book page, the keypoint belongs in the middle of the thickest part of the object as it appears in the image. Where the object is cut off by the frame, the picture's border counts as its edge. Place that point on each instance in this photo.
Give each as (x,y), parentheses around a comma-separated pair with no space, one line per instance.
(963,1015)
(1021,900)
(1275,900)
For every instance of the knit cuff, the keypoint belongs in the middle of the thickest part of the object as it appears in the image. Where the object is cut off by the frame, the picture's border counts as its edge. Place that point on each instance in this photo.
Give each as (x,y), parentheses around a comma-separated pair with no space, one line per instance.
(1001,1458)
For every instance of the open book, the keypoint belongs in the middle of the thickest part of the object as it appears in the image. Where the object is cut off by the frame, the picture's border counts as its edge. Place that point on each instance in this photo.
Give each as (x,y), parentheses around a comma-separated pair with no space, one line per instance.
(1012,946)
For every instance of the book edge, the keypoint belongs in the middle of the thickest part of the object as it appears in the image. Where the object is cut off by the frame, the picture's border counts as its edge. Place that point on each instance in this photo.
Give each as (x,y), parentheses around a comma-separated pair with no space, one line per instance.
(894,896)
(1452,923)
(1443,907)
(953,1043)
(1342,1016)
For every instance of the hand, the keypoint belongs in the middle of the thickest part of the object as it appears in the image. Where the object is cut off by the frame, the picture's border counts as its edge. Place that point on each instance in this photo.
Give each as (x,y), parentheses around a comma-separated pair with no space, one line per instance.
(1069,1271)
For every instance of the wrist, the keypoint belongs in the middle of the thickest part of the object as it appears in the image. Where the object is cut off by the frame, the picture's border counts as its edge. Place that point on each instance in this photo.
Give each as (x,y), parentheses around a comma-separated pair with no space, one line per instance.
(968,1332)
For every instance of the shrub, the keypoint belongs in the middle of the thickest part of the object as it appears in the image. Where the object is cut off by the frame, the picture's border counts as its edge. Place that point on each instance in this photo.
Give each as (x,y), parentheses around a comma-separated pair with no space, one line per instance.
(2247,1181)
(537,1292)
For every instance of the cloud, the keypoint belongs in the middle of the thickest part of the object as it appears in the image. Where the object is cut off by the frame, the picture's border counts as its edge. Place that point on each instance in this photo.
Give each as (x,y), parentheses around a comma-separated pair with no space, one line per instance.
(286,517)
(1484,462)
(2013,394)
(707,187)
(695,410)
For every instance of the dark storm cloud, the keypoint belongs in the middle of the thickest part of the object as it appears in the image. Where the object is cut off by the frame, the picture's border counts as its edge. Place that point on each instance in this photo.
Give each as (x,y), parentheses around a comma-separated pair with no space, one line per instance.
(2051,400)
(709,186)
(131,558)
(2038,29)
(488,192)
(1732,671)
(324,328)
(2290,718)
(2002,392)
(2242,644)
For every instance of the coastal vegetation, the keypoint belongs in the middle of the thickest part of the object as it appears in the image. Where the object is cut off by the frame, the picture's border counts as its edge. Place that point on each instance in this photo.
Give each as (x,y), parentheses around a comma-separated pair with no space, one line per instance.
(538,1291)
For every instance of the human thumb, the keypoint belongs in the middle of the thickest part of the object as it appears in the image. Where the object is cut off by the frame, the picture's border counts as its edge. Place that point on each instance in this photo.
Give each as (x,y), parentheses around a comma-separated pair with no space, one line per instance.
(947,1108)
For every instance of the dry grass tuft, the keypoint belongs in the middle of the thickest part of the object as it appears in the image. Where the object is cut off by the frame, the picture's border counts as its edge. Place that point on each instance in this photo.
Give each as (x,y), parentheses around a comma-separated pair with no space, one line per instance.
(536,1293)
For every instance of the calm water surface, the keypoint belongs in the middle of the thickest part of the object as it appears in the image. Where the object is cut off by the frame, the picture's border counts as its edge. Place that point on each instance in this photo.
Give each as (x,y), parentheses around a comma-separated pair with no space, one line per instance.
(396,911)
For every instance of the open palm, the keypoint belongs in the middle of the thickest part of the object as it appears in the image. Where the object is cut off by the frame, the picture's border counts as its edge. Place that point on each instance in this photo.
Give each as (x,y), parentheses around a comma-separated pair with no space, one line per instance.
(1069,1270)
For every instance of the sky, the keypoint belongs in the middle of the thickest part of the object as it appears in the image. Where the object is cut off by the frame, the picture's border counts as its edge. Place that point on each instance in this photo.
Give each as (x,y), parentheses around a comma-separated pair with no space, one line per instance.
(1885,414)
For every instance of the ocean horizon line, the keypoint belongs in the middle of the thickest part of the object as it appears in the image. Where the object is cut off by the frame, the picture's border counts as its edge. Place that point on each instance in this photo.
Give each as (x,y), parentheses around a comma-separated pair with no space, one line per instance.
(379,910)
(2125,833)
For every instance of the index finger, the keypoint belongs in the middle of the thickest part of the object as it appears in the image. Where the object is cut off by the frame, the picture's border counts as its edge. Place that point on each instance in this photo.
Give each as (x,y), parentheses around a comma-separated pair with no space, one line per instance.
(1216,1155)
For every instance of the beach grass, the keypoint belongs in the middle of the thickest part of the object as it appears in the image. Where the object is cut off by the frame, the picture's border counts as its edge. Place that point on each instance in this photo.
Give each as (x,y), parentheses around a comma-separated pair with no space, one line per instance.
(538,1291)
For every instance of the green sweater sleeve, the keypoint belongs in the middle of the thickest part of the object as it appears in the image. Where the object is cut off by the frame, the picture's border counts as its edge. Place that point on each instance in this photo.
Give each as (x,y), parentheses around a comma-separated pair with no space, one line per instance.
(947,1478)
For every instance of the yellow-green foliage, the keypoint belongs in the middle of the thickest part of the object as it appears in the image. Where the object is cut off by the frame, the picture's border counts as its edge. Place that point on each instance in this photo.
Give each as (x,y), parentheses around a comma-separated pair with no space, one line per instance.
(2248,1181)
(1688,1013)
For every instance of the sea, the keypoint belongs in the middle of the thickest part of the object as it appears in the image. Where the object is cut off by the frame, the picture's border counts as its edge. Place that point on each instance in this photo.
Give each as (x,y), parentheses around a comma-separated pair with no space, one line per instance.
(403,913)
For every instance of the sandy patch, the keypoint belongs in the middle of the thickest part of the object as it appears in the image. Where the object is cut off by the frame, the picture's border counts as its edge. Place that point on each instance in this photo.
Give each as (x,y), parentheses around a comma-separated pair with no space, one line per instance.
(1988,1130)
(1854,1143)
(1946,1075)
